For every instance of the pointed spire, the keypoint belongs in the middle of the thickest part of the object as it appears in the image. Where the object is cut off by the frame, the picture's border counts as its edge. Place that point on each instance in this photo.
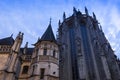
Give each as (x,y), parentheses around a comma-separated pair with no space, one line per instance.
(50,21)
(79,11)
(21,36)
(74,10)
(64,16)
(94,16)
(26,45)
(17,42)
(100,27)
(48,35)
(19,33)
(25,48)
(59,23)
(86,11)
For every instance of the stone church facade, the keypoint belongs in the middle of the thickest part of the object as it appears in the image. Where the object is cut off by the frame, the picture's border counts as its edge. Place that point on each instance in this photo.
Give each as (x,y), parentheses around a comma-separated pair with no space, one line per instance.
(38,63)
(80,52)
(85,53)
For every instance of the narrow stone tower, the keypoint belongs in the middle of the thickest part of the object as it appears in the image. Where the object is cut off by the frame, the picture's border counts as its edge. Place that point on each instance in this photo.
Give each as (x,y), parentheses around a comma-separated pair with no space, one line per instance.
(85,53)
(13,63)
(45,64)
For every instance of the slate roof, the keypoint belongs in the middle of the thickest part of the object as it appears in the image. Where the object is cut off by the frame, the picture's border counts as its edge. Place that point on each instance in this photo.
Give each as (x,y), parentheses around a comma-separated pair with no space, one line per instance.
(7,41)
(29,51)
(48,35)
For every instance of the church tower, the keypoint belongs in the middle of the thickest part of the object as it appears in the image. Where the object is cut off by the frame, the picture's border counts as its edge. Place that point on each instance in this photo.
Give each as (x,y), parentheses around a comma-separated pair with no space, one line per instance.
(45,64)
(85,53)
(12,66)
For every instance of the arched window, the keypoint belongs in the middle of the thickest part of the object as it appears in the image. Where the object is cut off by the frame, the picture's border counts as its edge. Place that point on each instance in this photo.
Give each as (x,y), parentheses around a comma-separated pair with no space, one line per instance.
(25,69)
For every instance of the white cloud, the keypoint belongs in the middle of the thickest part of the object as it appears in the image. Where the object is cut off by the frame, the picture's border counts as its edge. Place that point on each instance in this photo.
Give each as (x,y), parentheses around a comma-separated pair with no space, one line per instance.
(33,18)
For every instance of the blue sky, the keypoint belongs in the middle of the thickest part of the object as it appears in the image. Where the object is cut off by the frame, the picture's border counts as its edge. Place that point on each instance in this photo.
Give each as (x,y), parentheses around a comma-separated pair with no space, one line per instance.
(32,17)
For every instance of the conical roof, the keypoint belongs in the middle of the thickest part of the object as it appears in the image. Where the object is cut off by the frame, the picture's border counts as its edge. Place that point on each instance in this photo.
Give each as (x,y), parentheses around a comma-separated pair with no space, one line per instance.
(48,35)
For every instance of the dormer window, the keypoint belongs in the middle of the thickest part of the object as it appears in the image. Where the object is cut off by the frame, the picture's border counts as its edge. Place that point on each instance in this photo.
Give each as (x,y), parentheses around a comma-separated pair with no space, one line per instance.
(45,52)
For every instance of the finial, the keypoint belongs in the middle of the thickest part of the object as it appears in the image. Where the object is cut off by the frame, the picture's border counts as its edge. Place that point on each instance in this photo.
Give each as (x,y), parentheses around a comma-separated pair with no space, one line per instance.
(86,11)
(25,48)
(22,34)
(79,11)
(100,27)
(94,16)
(50,20)
(59,22)
(26,45)
(19,33)
(74,9)
(64,16)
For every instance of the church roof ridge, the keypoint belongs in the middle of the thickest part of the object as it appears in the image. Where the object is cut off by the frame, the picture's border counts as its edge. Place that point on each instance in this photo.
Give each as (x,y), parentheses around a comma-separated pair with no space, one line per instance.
(7,41)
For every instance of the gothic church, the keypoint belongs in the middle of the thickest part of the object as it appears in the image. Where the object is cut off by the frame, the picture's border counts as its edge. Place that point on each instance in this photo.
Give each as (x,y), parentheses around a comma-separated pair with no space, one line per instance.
(80,52)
